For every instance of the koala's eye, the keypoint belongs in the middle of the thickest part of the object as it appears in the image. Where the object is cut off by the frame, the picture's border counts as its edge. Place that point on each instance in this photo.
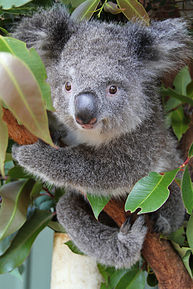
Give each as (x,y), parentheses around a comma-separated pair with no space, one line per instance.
(68,86)
(112,89)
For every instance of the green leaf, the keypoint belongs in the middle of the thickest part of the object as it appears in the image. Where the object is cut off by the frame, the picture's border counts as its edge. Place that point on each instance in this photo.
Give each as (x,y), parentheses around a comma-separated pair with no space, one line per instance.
(186,261)
(76,3)
(178,236)
(6,243)
(21,93)
(33,61)
(55,226)
(97,203)
(190,152)
(21,245)
(13,210)
(150,192)
(181,80)
(106,272)
(3,141)
(112,8)
(172,93)
(85,10)
(73,248)
(44,202)
(133,9)
(36,190)
(189,232)
(7,4)
(187,191)
(179,122)
(17,172)
(185,254)
(133,279)
(189,89)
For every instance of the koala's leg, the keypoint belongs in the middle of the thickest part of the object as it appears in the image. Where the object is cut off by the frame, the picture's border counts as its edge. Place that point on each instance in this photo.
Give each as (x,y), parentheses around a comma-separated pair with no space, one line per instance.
(110,246)
(171,215)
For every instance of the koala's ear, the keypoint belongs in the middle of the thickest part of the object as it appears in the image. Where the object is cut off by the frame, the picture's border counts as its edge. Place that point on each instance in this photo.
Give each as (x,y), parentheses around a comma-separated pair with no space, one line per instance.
(164,45)
(47,31)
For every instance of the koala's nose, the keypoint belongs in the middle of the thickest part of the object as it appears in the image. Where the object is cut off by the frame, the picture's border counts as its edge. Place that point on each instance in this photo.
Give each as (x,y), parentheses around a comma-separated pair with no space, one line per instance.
(86,108)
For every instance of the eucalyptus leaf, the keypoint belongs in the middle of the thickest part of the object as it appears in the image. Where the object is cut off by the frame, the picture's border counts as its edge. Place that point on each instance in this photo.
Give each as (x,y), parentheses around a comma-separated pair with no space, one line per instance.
(189,89)
(150,192)
(44,202)
(179,122)
(85,10)
(189,232)
(97,203)
(133,279)
(32,59)
(17,172)
(21,93)
(7,4)
(190,152)
(172,93)
(106,272)
(186,261)
(21,245)
(116,277)
(3,141)
(134,9)
(178,236)
(185,254)
(73,248)
(55,226)
(13,210)
(36,190)
(112,8)
(6,243)
(76,3)
(181,80)
(187,191)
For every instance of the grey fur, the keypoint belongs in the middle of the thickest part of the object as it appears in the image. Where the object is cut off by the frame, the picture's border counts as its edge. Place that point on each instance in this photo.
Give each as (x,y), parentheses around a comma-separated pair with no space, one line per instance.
(129,139)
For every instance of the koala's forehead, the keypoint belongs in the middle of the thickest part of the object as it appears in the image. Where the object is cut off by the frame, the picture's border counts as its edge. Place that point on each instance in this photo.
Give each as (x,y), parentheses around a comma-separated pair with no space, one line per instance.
(97,46)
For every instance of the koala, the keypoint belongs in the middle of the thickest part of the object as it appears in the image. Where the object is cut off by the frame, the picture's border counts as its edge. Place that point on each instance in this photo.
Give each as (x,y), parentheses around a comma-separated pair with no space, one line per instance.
(104,79)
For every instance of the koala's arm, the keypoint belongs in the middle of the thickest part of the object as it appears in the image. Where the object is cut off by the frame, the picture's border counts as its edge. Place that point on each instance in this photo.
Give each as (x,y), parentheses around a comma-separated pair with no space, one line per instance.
(76,166)
(110,246)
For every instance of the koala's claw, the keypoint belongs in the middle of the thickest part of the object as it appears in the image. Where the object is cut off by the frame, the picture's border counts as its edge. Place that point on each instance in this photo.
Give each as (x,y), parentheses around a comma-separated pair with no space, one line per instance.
(126,226)
(136,231)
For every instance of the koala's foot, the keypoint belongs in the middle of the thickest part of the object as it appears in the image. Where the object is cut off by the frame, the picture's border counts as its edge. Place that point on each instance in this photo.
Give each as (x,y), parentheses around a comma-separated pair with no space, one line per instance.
(132,238)
(137,231)
(160,224)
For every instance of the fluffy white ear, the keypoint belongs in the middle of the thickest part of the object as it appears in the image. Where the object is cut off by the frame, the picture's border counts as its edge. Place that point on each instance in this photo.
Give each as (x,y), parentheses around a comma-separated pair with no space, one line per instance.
(47,31)
(162,46)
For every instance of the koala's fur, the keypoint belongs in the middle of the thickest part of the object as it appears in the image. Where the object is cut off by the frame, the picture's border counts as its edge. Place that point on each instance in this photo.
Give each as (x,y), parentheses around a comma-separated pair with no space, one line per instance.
(129,139)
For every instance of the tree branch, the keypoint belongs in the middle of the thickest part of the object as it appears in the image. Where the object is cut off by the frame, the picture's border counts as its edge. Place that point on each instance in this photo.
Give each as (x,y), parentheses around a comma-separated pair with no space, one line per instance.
(159,253)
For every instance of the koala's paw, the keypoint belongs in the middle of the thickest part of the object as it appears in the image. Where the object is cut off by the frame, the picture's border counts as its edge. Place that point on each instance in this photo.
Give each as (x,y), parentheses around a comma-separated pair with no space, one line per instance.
(135,233)
(161,225)
(25,155)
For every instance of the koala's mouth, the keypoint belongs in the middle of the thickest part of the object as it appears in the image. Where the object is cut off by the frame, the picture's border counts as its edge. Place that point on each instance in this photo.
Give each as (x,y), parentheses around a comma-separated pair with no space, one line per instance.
(90,125)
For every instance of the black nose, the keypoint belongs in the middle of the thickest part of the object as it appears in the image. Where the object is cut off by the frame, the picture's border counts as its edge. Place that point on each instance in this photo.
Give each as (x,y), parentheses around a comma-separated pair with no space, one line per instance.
(86,108)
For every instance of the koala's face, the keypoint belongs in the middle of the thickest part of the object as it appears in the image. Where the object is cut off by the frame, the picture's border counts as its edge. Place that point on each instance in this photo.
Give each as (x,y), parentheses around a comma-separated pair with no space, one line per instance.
(99,84)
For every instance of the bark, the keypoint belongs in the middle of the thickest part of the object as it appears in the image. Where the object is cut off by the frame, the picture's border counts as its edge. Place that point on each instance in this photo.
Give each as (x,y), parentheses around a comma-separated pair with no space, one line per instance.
(159,253)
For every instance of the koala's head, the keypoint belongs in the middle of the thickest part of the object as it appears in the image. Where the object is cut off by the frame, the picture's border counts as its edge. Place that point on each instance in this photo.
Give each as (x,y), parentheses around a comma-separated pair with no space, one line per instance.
(102,74)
